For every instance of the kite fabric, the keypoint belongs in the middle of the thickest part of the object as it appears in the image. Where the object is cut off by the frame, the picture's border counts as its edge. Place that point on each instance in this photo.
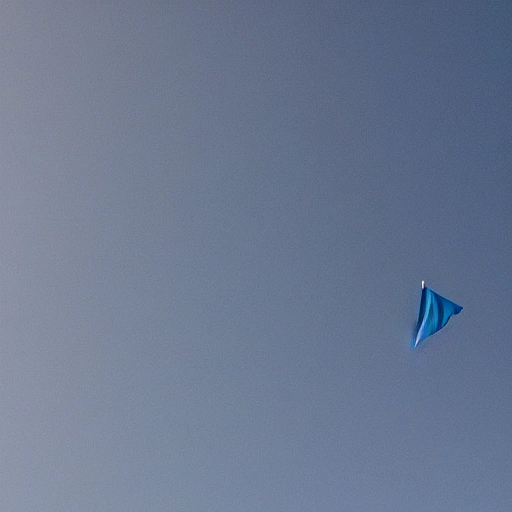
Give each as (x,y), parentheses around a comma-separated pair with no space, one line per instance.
(435,311)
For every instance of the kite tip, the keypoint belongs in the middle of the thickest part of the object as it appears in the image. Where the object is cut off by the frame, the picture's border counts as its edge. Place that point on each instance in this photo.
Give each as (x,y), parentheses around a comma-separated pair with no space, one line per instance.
(422,284)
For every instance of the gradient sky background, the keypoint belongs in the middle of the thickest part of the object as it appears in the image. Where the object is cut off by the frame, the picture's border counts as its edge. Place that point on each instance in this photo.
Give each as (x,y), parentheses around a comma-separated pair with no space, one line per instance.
(215,218)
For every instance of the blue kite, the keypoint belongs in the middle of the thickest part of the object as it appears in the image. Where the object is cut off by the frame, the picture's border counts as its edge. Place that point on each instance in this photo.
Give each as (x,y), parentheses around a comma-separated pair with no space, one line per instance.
(435,311)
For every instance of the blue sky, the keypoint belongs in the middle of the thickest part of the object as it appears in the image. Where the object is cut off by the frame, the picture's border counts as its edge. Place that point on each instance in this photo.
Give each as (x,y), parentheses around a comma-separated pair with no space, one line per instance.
(215,221)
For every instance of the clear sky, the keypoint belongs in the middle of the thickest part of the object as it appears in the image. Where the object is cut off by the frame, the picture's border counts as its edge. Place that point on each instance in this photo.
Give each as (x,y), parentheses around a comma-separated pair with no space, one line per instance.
(215,218)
